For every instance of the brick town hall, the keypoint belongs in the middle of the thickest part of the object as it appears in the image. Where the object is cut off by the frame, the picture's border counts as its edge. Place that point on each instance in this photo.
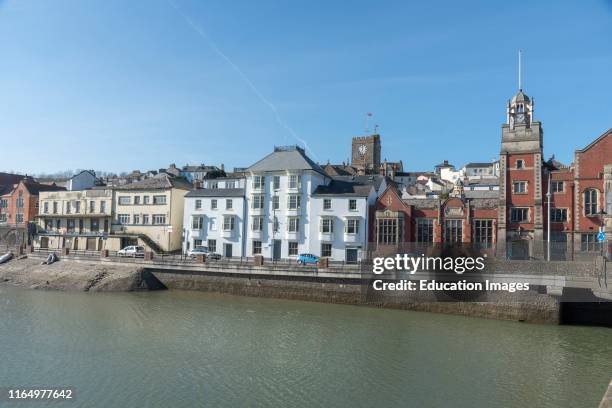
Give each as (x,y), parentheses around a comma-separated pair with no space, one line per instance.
(514,219)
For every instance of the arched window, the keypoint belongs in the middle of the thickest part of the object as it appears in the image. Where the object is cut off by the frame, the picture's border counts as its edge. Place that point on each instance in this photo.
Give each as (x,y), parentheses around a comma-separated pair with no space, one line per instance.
(590,202)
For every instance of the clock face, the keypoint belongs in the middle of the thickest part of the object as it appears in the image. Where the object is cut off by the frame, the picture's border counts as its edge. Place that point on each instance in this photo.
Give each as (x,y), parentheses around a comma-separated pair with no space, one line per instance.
(520,118)
(363,149)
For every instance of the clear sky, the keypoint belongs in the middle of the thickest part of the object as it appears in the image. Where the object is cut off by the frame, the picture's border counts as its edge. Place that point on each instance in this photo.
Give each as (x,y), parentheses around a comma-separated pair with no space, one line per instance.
(119,85)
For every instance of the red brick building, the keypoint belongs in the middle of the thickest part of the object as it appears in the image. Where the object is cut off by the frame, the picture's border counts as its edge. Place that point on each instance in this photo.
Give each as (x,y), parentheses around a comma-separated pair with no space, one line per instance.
(19,204)
(514,220)
(593,192)
(414,224)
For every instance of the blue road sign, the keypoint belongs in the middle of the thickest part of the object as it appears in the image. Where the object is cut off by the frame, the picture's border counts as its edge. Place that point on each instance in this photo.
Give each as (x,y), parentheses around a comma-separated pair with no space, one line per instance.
(601,237)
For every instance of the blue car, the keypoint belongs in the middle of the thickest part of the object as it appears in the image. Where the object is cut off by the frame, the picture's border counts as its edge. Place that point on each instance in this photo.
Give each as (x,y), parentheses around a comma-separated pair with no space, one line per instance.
(304,259)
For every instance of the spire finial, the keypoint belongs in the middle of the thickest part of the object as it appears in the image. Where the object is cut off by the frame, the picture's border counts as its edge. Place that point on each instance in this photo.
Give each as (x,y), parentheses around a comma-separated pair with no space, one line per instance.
(520,55)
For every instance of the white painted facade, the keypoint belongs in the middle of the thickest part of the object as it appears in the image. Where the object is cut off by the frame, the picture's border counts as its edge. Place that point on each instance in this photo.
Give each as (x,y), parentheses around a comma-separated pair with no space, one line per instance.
(278,208)
(82,181)
(215,219)
(342,221)
(287,207)
(452,175)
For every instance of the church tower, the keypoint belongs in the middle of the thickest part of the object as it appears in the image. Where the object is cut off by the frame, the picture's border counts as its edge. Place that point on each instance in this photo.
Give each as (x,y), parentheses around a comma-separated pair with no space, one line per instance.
(520,218)
(365,153)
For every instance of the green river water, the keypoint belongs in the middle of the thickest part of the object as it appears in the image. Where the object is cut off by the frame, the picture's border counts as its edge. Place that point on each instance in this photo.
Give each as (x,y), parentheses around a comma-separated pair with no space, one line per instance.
(192,349)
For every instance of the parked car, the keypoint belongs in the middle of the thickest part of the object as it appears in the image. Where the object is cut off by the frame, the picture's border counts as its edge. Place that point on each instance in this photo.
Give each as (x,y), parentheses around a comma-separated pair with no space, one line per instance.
(132,250)
(304,259)
(202,250)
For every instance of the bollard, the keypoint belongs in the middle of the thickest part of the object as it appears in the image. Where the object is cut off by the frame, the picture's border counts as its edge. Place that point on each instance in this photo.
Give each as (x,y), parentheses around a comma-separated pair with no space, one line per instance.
(323,263)
(65,251)
(148,256)
(104,253)
(30,249)
(201,258)
(258,260)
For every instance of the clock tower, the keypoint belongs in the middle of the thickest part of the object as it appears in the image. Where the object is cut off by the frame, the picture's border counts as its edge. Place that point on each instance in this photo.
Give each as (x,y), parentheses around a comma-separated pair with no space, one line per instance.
(520,217)
(366,153)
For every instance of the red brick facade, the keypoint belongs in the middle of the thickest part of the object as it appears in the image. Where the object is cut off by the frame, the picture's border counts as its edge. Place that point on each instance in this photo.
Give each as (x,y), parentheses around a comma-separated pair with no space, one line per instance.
(578,195)
(19,205)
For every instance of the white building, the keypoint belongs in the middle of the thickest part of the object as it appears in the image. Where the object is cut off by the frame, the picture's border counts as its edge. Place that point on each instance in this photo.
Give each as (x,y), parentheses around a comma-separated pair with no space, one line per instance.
(481,170)
(282,206)
(215,218)
(286,194)
(339,220)
(81,181)
(452,175)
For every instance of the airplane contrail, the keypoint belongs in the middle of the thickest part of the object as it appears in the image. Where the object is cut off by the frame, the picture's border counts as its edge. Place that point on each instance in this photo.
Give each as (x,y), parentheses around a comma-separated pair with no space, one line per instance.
(242,75)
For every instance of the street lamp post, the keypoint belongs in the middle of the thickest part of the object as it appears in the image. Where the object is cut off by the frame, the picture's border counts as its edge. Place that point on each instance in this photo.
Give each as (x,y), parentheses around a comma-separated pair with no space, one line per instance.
(548,196)
(601,215)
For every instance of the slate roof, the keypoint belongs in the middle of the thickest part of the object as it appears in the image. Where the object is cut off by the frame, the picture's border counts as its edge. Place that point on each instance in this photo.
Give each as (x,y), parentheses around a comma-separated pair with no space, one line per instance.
(481,193)
(216,192)
(8,180)
(189,168)
(371,180)
(422,202)
(35,188)
(161,182)
(286,158)
(476,164)
(485,202)
(334,170)
(343,188)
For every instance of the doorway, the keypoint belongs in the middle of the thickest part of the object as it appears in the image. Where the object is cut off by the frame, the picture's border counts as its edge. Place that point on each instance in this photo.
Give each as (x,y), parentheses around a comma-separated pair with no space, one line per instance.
(351,255)
(276,249)
(91,244)
(519,249)
(228,250)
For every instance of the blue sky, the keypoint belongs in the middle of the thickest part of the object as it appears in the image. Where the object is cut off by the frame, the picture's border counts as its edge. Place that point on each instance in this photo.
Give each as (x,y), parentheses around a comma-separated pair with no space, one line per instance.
(116,85)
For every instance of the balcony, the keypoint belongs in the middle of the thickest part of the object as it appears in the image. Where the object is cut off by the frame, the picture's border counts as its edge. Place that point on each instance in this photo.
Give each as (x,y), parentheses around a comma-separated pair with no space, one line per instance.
(227,233)
(256,234)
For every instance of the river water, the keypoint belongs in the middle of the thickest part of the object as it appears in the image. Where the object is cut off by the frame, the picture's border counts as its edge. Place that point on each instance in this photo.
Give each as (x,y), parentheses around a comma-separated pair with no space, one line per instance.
(185,349)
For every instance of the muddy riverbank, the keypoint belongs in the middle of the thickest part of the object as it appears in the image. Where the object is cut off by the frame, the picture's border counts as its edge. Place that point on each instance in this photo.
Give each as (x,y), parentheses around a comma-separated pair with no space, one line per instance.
(66,275)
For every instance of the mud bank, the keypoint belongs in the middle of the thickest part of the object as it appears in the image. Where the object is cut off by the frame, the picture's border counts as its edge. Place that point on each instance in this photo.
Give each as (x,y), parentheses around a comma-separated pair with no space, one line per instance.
(81,275)
(68,275)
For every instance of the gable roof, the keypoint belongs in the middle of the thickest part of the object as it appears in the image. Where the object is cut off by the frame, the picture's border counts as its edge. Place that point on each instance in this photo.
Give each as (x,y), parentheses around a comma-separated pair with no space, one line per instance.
(161,182)
(286,158)
(339,170)
(34,188)
(8,180)
(343,188)
(372,180)
(594,142)
(91,172)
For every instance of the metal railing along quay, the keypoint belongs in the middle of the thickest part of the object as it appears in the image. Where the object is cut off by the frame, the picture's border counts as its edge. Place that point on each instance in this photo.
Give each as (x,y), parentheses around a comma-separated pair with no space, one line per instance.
(180,260)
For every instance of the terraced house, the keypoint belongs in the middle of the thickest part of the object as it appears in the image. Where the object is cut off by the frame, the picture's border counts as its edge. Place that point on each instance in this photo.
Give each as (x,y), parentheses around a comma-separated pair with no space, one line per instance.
(215,217)
(150,213)
(76,220)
